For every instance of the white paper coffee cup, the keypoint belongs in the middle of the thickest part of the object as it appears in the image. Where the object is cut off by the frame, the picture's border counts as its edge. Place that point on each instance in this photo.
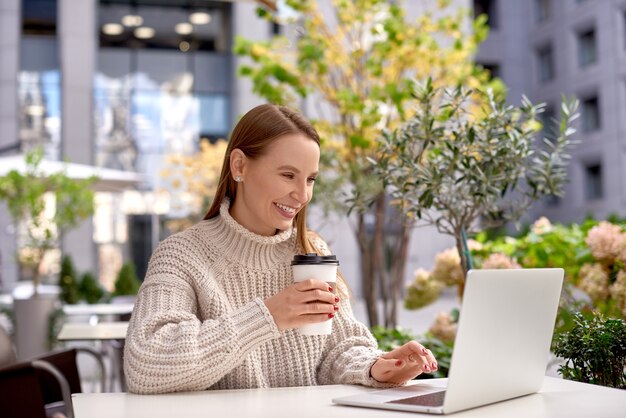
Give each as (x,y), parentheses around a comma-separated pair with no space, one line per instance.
(318,267)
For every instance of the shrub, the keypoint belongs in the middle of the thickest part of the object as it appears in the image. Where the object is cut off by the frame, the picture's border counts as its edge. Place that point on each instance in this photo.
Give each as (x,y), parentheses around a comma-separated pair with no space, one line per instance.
(594,351)
(90,289)
(68,281)
(127,282)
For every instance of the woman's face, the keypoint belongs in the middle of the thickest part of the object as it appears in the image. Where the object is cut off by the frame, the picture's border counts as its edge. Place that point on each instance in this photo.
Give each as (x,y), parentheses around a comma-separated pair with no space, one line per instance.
(276,186)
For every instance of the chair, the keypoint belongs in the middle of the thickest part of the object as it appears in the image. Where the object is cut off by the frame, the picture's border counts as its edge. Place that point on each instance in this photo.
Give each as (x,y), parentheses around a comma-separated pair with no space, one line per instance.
(7,351)
(43,386)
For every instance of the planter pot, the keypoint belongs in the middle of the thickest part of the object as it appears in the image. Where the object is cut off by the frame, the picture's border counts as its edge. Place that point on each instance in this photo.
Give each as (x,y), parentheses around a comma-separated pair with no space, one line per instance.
(31,325)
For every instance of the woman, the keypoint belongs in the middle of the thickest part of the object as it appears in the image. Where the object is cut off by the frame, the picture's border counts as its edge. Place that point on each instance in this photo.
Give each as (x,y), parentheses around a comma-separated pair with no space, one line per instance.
(218,306)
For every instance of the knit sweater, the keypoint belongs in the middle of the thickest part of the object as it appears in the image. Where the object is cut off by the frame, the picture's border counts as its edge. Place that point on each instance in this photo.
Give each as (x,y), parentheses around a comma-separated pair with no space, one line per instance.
(200,323)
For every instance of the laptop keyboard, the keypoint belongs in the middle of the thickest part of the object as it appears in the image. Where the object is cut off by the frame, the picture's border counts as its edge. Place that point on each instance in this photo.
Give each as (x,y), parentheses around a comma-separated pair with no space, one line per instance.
(430,399)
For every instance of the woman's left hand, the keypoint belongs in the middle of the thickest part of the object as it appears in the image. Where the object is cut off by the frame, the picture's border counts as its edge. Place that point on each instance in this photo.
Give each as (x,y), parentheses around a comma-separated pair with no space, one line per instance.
(403,364)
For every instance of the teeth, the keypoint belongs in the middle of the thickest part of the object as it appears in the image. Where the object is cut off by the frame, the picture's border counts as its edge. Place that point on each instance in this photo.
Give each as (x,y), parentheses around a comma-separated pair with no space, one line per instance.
(285,208)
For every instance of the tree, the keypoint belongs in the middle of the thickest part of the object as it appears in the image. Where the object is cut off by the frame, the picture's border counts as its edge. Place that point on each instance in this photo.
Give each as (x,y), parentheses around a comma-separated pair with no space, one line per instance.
(355,62)
(193,181)
(461,167)
(25,195)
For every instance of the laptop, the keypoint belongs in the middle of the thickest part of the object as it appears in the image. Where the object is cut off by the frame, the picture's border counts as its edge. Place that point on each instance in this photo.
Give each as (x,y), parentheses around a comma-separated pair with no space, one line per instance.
(501,349)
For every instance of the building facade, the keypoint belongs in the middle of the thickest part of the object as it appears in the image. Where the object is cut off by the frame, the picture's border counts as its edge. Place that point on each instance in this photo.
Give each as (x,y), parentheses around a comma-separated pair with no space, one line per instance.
(121,84)
(549,48)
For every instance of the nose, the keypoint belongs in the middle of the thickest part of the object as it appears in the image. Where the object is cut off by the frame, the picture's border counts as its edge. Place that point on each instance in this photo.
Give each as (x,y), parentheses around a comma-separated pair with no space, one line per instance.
(300,192)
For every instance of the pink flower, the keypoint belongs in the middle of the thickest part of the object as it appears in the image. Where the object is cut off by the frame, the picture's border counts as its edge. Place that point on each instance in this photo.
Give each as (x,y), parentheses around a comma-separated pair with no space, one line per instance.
(422,291)
(594,280)
(541,226)
(605,241)
(447,269)
(444,327)
(500,261)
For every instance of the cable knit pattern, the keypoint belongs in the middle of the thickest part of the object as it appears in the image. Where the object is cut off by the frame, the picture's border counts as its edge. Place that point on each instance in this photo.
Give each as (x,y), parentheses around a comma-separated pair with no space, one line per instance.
(200,322)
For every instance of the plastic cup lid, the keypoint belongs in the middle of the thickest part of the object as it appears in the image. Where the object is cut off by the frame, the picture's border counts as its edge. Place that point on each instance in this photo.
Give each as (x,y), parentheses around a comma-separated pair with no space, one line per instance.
(312,258)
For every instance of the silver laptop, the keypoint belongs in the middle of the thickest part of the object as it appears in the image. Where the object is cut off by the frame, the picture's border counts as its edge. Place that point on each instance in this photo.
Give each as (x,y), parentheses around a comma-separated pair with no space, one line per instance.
(501,348)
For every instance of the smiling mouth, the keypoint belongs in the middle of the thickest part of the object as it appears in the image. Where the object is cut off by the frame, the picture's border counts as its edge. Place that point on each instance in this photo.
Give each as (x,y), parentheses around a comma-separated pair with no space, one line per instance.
(287,209)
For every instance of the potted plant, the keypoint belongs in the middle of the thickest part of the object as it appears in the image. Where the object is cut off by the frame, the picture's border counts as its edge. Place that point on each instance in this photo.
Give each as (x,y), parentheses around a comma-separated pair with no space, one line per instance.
(594,350)
(126,284)
(29,197)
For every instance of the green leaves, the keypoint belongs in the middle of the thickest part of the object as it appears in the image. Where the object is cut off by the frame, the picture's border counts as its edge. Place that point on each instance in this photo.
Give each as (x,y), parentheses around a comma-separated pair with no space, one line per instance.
(25,195)
(594,350)
(465,152)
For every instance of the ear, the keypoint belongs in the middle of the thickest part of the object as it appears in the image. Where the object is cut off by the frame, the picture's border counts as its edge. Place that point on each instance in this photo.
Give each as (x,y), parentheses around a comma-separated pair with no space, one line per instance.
(238,162)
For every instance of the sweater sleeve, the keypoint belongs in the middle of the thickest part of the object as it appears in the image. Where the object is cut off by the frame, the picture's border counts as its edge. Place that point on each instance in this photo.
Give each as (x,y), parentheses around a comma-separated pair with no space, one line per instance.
(351,350)
(168,348)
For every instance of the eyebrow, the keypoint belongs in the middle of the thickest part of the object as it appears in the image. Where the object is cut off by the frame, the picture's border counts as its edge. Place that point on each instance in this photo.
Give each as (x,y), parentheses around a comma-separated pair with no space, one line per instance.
(294,169)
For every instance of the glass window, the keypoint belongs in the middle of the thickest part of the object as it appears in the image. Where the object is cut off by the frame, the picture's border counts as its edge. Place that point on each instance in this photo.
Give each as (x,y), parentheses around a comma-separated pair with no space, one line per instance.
(587,52)
(542,10)
(552,201)
(39,95)
(489,8)
(39,17)
(160,94)
(591,114)
(177,27)
(593,181)
(545,61)
(494,69)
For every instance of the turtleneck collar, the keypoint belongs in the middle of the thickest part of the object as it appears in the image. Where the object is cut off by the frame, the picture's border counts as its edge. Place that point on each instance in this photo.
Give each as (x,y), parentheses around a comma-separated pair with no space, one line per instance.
(245,247)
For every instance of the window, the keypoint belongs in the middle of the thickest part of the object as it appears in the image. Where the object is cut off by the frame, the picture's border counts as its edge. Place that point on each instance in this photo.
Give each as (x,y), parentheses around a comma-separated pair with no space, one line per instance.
(39,17)
(489,8)
(494,69)
(591,114)
(593,181)
(545,61)
(552,201)
(542,10)
(587,52)
(276,28)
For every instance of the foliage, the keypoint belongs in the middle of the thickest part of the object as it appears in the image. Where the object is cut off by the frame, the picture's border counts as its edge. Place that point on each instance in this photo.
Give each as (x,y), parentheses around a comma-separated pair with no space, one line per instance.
(390,338)
(127,282)
(354,62)
(193,180)
(455,166)
(68,281)
(25,195)
(90,289)
(594,351)
(422,291)
(592,255)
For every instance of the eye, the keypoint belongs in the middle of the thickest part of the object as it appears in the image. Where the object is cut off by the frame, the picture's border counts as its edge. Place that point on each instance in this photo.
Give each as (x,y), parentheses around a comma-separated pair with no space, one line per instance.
(311,180)
(289,176)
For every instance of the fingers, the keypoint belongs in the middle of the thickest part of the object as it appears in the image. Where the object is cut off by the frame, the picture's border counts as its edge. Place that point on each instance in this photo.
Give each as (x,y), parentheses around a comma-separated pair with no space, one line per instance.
(311,284)
(316,290)
(415,354)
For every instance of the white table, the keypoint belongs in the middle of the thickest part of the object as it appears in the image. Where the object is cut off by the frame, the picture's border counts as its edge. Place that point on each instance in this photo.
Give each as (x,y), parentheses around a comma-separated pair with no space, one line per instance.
(100,331)
(98,309)
(558,398)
